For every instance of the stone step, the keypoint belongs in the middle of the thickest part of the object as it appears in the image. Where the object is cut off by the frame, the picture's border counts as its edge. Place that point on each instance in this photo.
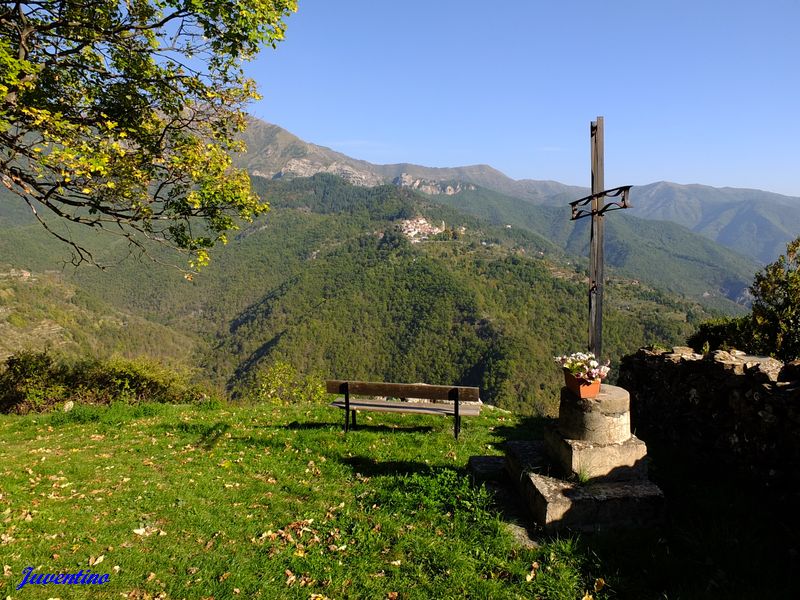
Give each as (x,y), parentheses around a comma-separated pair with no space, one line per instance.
(557,504)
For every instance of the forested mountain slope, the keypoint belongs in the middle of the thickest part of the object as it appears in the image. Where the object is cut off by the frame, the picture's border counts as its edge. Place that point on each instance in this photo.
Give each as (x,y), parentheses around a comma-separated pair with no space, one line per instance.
(661,254)
(328,282)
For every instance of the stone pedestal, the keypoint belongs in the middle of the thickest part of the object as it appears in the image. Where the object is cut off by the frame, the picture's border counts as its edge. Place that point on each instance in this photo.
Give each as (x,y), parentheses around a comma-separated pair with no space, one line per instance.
(593,438)
(587,461)
(589,473)
(604,419)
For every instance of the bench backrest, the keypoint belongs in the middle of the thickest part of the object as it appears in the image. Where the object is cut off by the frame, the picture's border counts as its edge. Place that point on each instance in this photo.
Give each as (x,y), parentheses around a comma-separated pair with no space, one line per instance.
(404,390)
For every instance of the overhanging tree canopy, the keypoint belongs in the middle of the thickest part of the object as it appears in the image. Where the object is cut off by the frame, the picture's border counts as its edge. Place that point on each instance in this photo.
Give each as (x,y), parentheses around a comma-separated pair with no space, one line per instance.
(121,114)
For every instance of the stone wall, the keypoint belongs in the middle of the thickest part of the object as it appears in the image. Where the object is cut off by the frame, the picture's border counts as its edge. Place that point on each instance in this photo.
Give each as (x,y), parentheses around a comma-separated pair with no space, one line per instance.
(731,409)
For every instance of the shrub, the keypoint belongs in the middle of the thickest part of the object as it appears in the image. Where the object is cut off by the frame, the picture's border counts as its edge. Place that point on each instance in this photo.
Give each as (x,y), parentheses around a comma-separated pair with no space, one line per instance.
(724,333)
(36,382)
(31,381)
(133,382)
(776,305)
(281,383)
(773,327)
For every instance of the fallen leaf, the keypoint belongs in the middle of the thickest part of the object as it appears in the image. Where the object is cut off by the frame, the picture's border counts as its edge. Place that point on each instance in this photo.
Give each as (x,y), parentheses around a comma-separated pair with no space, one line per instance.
(306,581)
(7,572)
(151,576)
(224,576)
(290,577)
(599,584)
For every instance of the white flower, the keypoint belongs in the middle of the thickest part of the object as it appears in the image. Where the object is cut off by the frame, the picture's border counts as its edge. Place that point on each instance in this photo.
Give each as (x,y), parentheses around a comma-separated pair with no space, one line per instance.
(583,365)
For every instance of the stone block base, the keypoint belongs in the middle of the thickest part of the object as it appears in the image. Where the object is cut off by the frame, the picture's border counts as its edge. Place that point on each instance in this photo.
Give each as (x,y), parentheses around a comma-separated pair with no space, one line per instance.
(598,506)
(590,460)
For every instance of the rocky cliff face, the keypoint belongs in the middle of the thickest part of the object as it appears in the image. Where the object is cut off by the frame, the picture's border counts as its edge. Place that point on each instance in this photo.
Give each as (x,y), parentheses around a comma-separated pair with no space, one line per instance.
(427,186)
(305,167)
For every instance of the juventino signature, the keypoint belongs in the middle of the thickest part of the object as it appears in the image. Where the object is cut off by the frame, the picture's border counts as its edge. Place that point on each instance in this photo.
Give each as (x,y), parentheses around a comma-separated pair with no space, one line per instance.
(81,577)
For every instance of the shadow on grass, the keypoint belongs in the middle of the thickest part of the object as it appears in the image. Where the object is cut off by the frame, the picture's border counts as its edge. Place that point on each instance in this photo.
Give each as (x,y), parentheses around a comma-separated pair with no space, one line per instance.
(209,434)
(526,428)
(370,467)
(297,426)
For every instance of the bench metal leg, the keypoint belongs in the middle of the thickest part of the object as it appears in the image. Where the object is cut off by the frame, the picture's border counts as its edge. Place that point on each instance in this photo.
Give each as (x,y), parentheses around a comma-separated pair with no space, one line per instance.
(457,418)
(353,417)
(347,408)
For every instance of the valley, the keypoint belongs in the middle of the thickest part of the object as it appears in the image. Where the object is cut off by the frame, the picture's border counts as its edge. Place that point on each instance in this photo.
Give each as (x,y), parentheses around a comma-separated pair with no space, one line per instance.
(327,282)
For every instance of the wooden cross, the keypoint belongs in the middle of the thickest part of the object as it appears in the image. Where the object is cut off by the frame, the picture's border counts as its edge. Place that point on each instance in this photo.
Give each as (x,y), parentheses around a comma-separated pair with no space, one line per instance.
(597,211)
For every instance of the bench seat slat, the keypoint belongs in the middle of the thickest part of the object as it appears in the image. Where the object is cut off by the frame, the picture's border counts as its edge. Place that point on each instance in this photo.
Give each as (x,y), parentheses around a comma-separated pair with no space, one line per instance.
(424,408)
(404,390)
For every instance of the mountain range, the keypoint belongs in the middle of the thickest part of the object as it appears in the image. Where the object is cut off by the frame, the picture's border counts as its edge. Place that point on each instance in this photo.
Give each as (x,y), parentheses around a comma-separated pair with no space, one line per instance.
(388,272)
(753,223)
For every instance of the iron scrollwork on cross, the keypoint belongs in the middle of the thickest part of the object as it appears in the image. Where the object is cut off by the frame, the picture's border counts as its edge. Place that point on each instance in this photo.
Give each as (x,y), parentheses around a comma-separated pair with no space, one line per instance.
(620,192)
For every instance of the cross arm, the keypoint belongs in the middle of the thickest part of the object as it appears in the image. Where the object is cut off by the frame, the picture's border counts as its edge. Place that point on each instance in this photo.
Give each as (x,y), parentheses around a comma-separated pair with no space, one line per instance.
(620,192)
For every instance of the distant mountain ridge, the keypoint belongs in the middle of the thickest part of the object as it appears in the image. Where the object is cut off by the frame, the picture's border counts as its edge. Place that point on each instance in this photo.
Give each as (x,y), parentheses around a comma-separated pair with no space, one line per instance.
(754,223)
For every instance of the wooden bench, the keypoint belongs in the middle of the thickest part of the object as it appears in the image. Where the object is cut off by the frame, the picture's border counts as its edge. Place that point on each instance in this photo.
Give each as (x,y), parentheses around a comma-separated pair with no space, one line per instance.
(455,394)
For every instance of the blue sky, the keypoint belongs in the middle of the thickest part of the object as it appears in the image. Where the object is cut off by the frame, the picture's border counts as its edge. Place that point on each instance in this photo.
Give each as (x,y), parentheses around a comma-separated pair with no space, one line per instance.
(691,92)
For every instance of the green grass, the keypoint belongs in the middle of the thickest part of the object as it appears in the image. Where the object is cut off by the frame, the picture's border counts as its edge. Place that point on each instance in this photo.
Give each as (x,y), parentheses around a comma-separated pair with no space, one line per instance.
(275,502)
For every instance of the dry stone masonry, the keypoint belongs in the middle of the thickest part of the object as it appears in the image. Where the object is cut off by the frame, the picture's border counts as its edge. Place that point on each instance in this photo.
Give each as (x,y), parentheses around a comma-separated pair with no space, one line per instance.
(738,411)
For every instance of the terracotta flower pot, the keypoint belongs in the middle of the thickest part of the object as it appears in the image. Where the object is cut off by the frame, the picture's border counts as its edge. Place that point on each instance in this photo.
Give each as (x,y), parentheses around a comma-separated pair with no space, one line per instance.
(581,387)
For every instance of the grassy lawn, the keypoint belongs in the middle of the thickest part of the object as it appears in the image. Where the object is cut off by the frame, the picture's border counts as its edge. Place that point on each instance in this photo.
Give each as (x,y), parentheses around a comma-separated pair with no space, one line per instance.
(264,502)
(276,502)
